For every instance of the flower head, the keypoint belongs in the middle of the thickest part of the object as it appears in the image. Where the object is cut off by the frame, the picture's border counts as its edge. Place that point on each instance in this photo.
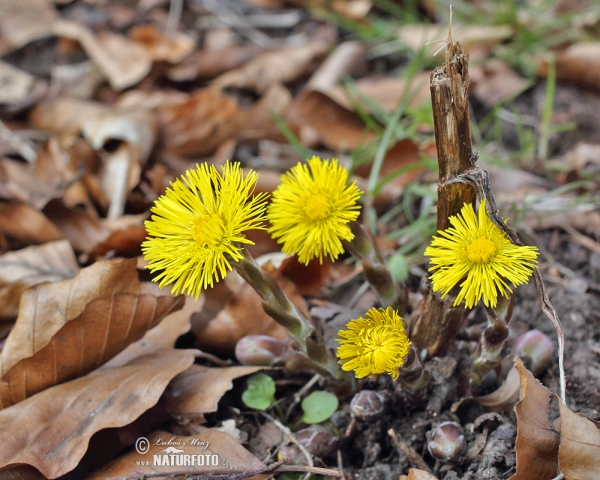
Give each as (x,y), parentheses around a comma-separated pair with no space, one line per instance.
(197,225)
(311,209)
(375,344)
(477,253)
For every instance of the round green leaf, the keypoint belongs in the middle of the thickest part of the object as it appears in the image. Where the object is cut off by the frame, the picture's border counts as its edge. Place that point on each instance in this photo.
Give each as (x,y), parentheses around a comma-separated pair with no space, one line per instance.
(319,406)
(398,266)
(260,392)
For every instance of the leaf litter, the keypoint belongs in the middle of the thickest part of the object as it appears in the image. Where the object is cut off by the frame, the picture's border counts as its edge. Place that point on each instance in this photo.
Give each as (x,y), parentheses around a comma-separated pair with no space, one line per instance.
(104,105)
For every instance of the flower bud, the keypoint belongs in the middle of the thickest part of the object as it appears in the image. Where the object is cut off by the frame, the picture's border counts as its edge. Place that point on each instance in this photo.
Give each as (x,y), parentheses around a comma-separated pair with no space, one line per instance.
(367,405)
(447,442)
(259,350)
(535,349)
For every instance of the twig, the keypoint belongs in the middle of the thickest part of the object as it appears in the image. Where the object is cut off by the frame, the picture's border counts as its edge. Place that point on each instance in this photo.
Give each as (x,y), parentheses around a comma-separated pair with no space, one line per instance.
(404,449)
(300,393)
(175,11)
(291,437)
(213,358)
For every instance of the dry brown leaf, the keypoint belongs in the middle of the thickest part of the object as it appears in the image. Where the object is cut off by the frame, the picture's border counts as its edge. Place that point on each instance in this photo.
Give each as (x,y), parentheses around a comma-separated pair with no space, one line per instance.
(276,67)
(19,88)
(209,117)
(579,452)
(27,225)
(51,262)
(22,472)
(232,457)
(537,441)
(198,390)
(416,474)
(24,21)
(162,47)
(207,64)
(578,64)
(496,82)
(79,324)
(52,429)
(163,335)
(309,279)
(39,182)
(123,61)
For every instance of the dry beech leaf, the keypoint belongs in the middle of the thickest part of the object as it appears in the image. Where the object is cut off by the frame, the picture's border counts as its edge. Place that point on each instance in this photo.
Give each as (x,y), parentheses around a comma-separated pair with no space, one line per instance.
(241,315)
(51,430)
(537,441)
(579,452)
(198,390)
(50,262)
(22,472)
(160,46)
(25,21)
(309,279)
(496,82)
(79,324)
(578,64)
(19,88)
(123,61)
(416,474)
(209,117)
(232,457)
(39,182)
(279,66)
(163,335)
(499,400)
(27,225)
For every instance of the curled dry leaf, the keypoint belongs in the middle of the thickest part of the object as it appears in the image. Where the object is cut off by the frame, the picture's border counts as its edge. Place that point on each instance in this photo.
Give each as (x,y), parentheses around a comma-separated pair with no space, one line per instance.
(499,400)
(578,64)
(579,452)
(27,225)
(19,88)
(79,324)
(25,21)
(51,430)
(198,390)
(233,459)
(276,67)
(123,61)
(39,182)
(51,262)
(537,441)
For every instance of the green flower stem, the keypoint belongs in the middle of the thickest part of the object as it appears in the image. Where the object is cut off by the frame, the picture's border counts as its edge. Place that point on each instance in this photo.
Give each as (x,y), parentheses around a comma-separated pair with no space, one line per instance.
(413,378)
(364,247)
(279,307)
(489,353)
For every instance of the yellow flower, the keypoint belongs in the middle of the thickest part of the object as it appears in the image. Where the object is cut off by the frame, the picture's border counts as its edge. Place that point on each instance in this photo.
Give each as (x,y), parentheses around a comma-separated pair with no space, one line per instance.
(197,225)
(311,209)
(374,345)
(477,253)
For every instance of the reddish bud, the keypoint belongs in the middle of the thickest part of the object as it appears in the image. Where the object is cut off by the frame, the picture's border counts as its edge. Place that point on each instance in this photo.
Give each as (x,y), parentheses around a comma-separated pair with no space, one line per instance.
(367,405)
(259,350)
(535,349)
(447,442)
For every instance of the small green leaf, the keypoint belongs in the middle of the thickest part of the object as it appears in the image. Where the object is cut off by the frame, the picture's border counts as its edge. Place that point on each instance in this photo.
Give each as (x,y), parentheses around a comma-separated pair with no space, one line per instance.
(398,266)
(260,392)
(319,406)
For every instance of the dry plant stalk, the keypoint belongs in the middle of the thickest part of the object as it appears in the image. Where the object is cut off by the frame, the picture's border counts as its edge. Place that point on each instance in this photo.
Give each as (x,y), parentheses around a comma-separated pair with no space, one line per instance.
(437,321)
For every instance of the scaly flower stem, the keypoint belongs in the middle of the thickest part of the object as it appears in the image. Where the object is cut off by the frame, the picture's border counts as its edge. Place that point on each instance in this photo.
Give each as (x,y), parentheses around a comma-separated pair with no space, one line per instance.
(364,247)
(493,338)
(413,378)
(279,307)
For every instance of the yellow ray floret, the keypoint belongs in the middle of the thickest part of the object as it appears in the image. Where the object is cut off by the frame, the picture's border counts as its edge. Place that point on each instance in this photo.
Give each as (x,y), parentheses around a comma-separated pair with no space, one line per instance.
(476,254)
(197,225)
(311,209)
(374,345)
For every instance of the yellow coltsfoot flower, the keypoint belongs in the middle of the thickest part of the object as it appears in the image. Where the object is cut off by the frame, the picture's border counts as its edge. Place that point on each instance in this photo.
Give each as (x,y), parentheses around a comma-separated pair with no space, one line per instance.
(311,209)
(477,253)
(198,224)
(374,345)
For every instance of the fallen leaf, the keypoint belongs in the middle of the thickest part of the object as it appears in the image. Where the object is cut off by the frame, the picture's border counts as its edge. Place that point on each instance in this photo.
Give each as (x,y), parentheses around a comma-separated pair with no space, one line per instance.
(537,442)
(27,225)
(416,474)
(495,82)
(499,400)
(123,61)
(309,279)
(579,64)
(23,22)
(579,453)
(19,88)
(275,67)
(217,447)
(160,46)
(22,472)
(51,430)
(39,182)
(50,262)
(198,390)
(79,324)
